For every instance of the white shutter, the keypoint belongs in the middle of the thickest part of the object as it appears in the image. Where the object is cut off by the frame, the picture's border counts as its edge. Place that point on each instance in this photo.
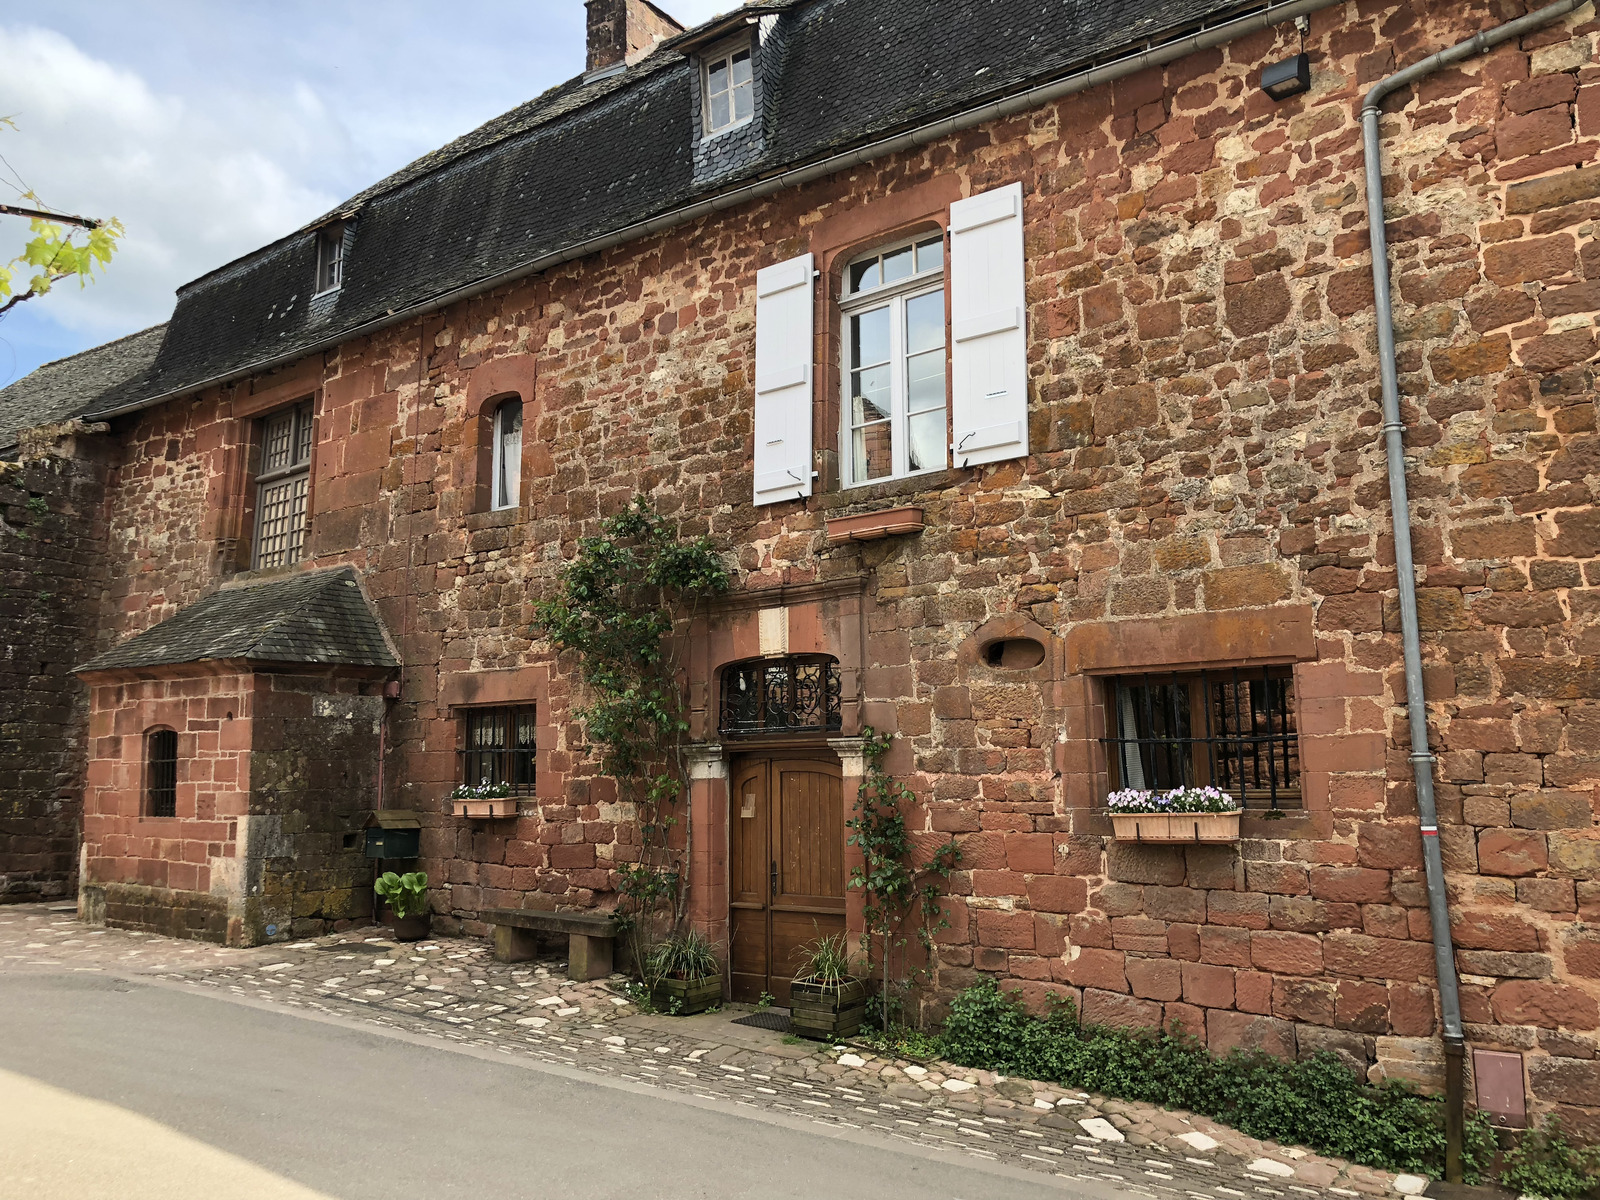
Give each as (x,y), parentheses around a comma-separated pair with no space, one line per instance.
(784,347)
(989,355)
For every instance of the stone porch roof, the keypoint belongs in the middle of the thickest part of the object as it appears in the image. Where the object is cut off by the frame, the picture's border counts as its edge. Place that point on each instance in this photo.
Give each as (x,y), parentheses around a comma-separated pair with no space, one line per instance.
(308,618)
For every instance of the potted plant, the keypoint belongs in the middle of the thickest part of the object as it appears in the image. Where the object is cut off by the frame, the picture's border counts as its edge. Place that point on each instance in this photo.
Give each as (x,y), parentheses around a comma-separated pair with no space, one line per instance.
(826,1001)
(486,801)
(408,903)
(1184,814)
(684,974)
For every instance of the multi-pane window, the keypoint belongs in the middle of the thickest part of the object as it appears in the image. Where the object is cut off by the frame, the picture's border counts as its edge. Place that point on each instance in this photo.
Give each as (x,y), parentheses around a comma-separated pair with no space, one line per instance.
(506,486)
(161,772)
(894,369)
(1233,729)
(499,747)
(730,90)
(330,258)
(282,484)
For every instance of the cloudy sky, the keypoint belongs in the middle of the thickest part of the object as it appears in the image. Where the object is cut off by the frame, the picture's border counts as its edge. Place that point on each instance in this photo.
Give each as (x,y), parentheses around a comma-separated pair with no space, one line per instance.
(210,127)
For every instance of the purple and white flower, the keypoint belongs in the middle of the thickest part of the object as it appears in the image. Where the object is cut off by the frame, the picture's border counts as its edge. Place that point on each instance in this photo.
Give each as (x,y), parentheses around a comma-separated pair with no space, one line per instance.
(1177,800)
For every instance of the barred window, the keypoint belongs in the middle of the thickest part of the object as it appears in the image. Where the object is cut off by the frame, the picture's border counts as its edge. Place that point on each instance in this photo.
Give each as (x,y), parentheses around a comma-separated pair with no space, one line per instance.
(282,485)
(161,772)
(499,747)
(1233,729)
(780,695)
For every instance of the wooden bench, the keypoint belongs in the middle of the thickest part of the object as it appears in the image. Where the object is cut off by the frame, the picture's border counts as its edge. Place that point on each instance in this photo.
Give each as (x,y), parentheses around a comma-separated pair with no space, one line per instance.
(589,937)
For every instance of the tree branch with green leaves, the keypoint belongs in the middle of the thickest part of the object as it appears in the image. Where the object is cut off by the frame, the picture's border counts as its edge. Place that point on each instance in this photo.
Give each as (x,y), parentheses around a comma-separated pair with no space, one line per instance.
(51,254)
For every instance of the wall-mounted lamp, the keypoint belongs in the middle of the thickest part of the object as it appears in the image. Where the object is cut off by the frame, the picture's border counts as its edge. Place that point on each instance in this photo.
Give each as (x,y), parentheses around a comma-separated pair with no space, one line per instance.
(1287,78)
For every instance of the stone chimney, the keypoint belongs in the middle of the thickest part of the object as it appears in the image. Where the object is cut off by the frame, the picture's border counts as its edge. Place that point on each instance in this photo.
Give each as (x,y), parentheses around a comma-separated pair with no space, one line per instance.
(624,31)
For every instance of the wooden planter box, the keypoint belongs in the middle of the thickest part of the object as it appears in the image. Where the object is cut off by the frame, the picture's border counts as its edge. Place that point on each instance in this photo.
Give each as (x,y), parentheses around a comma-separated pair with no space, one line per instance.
(685,997)
(826,1011)
(1176,827)
(481,810)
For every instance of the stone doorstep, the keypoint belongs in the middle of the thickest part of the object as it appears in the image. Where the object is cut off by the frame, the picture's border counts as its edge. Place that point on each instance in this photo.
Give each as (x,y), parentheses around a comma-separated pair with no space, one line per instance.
(984,1094)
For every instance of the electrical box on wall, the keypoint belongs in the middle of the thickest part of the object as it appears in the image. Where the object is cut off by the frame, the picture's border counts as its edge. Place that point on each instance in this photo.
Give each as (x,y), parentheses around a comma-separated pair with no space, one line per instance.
(1498,1074)
(394,833)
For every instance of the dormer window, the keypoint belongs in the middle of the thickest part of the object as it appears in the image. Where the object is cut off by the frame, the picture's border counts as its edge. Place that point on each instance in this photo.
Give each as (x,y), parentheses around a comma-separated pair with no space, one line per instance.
(729,88)
(330,258)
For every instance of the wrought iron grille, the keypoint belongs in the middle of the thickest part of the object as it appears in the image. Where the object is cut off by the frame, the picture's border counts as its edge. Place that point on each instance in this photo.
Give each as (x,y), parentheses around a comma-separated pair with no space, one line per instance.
(1236,730)
(799,694)
(161,771)
(500,748)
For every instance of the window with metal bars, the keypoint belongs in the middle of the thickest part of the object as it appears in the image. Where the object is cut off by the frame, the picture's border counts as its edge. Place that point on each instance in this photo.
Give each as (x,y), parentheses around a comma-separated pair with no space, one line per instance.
(161,772)
(282,485)
(780,695)
(1233,729)
(499,747)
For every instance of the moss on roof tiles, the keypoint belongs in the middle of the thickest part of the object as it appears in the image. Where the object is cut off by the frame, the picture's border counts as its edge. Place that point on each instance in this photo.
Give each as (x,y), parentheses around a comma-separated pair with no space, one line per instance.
(310,618)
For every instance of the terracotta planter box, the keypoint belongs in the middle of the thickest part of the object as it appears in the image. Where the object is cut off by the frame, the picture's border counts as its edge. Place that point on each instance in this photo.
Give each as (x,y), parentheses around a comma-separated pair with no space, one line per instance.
(1176,827)
(482,810)
(826,1011)
(867,527)
(685,997)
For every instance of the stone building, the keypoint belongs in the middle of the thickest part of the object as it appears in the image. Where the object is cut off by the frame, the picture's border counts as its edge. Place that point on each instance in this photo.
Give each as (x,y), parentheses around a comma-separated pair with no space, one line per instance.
(1028,371)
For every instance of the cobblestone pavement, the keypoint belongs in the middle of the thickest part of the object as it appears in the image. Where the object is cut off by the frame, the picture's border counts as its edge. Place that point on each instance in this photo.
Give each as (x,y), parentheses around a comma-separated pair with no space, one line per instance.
(452,989)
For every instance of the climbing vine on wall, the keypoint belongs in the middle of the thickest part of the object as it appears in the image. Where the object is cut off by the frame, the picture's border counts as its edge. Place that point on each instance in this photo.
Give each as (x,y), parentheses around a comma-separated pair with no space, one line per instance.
(898,892)
(616,606)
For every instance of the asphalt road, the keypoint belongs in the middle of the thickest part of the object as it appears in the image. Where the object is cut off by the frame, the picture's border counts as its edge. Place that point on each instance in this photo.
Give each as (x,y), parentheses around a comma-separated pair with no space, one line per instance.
(127,1089)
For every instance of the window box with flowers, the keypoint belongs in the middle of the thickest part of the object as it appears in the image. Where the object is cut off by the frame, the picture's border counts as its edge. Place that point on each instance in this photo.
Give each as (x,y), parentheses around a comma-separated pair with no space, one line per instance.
(1182,815)
(487,801)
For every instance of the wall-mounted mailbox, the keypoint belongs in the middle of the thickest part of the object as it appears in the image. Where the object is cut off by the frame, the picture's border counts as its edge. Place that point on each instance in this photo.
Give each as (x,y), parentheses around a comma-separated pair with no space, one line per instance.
(1498,1075)
(394,833)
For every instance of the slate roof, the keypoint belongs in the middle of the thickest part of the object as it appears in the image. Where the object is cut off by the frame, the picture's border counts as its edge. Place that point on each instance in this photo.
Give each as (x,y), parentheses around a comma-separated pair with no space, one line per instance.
(313,617)
(588,159)
(69,387)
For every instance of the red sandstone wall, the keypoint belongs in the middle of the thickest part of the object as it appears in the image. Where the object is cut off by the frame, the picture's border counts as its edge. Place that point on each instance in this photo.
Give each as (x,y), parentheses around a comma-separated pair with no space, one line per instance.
(1204,427)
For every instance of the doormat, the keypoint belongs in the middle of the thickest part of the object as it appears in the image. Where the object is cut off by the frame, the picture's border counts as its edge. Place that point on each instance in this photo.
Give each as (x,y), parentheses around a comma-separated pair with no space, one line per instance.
(775,1019)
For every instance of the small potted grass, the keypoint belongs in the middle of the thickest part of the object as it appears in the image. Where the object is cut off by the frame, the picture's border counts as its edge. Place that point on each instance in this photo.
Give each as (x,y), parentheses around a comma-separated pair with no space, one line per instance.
(826,1001)
(684,974)
(408,903)
(1184,814)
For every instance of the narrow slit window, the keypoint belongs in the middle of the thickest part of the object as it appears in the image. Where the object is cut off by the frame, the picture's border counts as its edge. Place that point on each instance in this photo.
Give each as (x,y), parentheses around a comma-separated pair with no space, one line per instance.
(506,485)
(1235,729)
(161,772)
(283,486)
(500,747)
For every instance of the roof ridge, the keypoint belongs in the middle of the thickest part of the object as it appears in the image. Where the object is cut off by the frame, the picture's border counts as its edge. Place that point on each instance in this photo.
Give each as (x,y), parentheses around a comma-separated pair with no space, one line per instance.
(95,349)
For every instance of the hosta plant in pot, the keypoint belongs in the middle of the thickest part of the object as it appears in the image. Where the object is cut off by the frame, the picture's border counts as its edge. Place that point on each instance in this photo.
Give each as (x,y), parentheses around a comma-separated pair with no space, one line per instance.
(408,903)
(1184,814)
(683,974)
(825,1000)
(485,800)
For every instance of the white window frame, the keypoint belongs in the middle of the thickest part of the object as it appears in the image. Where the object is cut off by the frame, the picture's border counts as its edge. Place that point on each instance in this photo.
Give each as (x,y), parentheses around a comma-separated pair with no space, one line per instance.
(725,53)
(330,259)
(505,488)
(895,295)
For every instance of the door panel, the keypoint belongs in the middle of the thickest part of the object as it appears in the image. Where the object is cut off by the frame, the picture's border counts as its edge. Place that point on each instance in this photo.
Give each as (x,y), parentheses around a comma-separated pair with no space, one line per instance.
(788,876)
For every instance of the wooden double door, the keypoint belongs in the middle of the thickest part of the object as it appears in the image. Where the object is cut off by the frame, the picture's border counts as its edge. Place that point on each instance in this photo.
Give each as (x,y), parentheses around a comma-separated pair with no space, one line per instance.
(787,872)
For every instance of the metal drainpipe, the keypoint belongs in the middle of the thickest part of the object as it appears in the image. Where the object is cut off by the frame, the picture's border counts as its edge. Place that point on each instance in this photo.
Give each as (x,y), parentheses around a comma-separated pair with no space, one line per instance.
(1393,430)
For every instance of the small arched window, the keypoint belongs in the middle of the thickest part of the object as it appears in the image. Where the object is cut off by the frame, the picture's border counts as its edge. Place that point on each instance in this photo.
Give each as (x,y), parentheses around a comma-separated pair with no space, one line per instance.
(799,694)
(505,489)
(161,772)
